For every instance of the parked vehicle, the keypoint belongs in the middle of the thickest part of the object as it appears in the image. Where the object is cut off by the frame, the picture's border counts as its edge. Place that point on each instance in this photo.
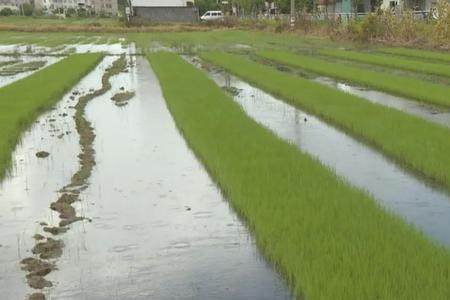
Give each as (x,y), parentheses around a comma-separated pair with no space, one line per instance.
(212,15)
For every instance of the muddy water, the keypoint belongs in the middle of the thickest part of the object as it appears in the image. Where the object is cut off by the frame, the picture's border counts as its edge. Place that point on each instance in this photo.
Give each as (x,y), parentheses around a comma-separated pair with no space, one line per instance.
(5,80)
(428,112)
(361,166)
(160,227)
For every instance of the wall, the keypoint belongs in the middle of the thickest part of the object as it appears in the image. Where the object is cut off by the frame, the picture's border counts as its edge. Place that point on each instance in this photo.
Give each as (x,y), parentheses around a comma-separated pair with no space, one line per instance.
(166,14)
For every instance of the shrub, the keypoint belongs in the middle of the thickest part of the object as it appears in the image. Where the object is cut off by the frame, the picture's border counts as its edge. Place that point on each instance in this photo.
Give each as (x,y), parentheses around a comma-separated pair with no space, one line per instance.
(6,12)
(27,9)
(71,12)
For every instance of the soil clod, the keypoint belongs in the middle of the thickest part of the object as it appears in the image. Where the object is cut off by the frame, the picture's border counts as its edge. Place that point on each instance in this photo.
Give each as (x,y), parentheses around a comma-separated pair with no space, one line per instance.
(37,296)
(55,230)
(38,282)
(42,154)
(48,249)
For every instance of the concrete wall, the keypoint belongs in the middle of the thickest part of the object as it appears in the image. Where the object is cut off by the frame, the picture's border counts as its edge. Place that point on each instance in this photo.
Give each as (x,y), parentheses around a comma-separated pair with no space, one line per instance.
(166,14)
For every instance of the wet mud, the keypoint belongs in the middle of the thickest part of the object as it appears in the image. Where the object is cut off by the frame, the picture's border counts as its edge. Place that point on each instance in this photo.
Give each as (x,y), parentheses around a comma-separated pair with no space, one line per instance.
(21,68)
(42,154)
(23,65)
(122,98)
(160,228)
(51,248)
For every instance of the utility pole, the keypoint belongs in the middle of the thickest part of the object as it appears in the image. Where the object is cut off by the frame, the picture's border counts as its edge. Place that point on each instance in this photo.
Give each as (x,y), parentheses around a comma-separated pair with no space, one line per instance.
(292,14)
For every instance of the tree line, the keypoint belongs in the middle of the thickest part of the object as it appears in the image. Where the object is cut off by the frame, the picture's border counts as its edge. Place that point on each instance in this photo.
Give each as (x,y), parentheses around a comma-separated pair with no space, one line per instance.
(249,7)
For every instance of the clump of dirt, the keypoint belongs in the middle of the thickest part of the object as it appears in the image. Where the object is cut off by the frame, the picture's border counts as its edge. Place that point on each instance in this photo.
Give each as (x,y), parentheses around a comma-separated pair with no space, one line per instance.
(38,282)
(38,237)
(37,269)
(37,296)
(121,99)
(42,154)
(37,266)
(234,91)
(49,249)
(55,230)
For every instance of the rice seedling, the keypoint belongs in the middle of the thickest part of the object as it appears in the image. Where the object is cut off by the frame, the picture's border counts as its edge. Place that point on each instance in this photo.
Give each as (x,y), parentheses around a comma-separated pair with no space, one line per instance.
(8,62)
(424,54)
(417,144)
(404,86)
(22,67)
(23,100)
(390,61)
(330,240)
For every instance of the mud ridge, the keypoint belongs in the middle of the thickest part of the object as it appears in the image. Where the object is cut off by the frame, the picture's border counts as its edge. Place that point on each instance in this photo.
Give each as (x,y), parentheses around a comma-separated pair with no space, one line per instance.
(47,249)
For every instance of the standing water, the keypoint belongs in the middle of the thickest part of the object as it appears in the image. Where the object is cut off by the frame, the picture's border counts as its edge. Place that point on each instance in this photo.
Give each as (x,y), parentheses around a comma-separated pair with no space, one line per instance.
(361,166)
(160,227)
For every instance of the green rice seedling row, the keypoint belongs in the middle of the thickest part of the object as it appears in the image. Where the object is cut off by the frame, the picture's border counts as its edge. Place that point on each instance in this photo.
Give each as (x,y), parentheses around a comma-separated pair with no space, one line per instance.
(416,143)
(331,240)
(416,53)
(22,101)
(404,86)
(390,61)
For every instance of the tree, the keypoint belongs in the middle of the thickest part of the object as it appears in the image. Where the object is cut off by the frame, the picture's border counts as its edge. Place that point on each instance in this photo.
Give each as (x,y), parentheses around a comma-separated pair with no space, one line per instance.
(205,5)
(285,5)
(71,12)
(27,9)
(6,12)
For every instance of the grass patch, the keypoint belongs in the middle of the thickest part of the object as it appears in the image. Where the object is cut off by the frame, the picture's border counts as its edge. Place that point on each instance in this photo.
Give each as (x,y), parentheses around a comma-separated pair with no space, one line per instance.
(420,145)
(22,67)
(8,62)
(409,87)
(332,241)
(390,61)
(22,101)
(424,54)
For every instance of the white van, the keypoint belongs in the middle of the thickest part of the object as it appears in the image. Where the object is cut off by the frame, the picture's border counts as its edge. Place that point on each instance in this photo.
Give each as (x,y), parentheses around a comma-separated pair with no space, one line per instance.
(212,15)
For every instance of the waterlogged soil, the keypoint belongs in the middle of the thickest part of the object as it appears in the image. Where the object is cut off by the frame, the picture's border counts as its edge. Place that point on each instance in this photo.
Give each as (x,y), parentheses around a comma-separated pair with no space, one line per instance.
(22,67)
(122,98)
(28,224)
(36,50)
(160,228)
(428,112)
(435,114)
(25,66)
(416,201)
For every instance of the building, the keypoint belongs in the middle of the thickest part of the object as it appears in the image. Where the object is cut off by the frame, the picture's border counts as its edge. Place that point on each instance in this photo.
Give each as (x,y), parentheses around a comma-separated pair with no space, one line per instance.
(92,7)
(416,5)
(343,7)
(14,5)
(164,11)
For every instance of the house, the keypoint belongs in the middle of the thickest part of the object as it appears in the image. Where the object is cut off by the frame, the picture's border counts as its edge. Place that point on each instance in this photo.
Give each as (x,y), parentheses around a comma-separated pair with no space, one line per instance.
(104,7)
(416,5)
(344,8)
(14,5)
(164,11)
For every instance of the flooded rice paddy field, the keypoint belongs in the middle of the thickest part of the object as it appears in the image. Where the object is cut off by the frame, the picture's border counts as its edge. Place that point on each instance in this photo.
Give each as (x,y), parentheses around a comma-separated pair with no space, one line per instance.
(152,223)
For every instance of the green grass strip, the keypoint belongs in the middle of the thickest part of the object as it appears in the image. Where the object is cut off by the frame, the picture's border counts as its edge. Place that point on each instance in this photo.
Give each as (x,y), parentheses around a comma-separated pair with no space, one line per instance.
(331,240)
(432,55)
(23,100)
(409,87)
(390,61)
(420,145)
